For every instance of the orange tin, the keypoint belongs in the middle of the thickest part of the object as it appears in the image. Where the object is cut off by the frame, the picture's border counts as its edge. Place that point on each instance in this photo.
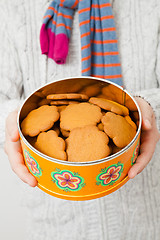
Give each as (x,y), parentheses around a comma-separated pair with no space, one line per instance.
(87,180)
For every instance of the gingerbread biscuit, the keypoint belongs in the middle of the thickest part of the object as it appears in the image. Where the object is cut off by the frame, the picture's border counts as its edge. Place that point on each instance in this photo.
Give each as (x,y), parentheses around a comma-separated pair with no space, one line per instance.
(79,115)
(87,144)
(110,105)
(100,126)
(69,96)
(91,90)
(113,93)
(61,108)
(65,133)
(118,129)
(63,102)
(129,120)
(55,146)
(40,119)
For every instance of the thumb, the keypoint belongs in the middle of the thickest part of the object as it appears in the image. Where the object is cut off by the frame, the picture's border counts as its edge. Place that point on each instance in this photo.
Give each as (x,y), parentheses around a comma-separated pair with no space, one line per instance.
(11,126)
(147,113)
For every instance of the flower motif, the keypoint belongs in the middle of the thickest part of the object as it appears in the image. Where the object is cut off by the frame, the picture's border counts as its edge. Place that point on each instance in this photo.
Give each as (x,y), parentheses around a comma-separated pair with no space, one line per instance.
(135,154)
(66,180)
(32,164)
(110,175)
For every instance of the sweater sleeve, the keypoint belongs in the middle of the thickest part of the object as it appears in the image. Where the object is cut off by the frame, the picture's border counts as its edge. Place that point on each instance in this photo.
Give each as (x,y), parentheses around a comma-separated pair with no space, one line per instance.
(152,96)
(11,89)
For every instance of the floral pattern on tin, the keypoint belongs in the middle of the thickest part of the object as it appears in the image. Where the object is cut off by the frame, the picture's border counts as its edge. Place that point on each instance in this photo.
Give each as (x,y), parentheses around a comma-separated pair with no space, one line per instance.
(110,175)
(135,154)
(67,181)
(32,164)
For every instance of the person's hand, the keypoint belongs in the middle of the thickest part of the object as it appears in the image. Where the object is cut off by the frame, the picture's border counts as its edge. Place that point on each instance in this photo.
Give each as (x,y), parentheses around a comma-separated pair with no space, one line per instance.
(149,138)
(13,150)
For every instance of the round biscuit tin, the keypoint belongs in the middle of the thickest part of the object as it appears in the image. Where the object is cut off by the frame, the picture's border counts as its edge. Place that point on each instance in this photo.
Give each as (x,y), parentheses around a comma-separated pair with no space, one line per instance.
(81,180)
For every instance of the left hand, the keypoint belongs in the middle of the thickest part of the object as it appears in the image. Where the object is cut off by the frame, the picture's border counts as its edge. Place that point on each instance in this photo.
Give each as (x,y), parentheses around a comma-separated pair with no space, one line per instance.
(149,138)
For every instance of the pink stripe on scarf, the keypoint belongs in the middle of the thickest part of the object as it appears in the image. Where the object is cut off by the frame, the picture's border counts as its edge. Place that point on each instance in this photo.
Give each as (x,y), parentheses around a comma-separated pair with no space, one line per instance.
(54,46)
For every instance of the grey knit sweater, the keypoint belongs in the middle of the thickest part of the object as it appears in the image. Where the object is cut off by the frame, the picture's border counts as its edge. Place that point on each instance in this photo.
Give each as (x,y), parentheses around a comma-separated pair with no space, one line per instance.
(132,212)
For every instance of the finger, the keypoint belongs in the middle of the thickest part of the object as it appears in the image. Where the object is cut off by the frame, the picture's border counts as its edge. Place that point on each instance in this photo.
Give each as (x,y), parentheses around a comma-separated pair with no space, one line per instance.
(146,124)
(11,126)
(146,152)
(17,164)
(23,173)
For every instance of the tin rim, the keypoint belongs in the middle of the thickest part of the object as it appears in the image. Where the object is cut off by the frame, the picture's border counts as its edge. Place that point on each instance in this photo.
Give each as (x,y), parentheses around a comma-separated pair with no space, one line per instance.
(85,197)
(81,163)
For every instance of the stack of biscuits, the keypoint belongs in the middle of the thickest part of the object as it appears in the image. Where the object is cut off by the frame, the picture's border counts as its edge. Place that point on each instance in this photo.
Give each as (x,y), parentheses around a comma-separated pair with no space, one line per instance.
(78,128)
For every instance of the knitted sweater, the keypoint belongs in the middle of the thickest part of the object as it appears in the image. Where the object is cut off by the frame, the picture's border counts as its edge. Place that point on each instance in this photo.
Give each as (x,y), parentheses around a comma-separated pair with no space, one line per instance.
(133,211)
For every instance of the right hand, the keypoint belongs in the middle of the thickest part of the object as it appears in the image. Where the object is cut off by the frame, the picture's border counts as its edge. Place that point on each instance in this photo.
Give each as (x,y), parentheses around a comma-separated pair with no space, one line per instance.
(14,151)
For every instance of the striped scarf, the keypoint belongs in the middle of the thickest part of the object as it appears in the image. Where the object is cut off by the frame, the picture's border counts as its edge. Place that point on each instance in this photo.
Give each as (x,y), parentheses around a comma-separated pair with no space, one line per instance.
(99,50)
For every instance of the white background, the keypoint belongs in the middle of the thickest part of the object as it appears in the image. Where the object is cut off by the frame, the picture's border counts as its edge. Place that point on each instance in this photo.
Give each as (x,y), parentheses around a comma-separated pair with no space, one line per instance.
(12,211)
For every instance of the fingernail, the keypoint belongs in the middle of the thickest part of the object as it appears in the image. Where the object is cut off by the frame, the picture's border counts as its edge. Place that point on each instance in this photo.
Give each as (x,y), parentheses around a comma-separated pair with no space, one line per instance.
(147,123)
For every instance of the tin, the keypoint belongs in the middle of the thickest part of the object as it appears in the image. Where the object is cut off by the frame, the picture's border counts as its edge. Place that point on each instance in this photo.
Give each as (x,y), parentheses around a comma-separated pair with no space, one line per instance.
(85,180)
